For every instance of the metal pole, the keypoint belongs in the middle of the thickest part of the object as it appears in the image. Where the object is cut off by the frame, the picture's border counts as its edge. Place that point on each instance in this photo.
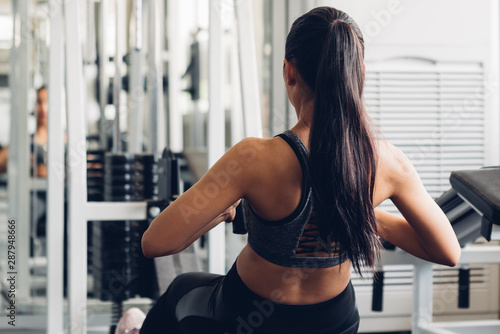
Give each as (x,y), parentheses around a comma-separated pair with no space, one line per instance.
(216,120)
(279,100)
(103,78)
(174,78)
(493,157)
(55,175)
(155,76)
(248,67)
(77,175)
(18,163)
(422,295)
(136,86)
(237,121)
(117,83)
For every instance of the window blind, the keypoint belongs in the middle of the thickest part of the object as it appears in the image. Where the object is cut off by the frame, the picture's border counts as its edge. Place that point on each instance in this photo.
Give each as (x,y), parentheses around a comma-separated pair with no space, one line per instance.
(435,114)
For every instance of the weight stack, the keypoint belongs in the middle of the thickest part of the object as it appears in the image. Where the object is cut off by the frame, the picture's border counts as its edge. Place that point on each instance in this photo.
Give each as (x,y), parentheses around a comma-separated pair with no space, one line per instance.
(95,176)
(151,187)
(117,244)
(95,191)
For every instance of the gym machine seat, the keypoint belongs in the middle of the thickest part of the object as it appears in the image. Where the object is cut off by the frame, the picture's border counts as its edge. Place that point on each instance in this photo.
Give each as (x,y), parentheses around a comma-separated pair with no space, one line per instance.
(481,189)
(473,208)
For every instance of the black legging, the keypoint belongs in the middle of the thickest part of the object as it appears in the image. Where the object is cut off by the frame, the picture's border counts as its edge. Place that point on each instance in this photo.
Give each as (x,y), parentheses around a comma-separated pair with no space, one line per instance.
(202,303)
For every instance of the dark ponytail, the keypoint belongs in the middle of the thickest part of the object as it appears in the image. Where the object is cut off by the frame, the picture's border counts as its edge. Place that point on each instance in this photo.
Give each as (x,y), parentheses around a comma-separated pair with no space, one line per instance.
(327,48)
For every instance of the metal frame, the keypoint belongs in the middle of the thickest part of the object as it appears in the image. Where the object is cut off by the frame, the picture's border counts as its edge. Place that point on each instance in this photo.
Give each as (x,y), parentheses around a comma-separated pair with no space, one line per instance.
(103,78)
(136,86)
(279,100)
(76,174)
(422,322)
(117,81)
(493,118)
(237,121)
(175,72)
(79,211)
(18,163)
(216,121)
(155,74)
(248,68)
(216,116)
(55,175)
(422,296)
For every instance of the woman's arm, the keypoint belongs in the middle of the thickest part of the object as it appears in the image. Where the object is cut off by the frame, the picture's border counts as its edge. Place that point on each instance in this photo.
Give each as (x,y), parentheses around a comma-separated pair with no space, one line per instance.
(4,152)
(207,203)
(425,230)
(227,216)
(399,232)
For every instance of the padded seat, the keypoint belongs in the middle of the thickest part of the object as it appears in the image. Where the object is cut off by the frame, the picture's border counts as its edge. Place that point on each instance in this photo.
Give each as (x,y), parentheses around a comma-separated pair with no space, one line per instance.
(481,188)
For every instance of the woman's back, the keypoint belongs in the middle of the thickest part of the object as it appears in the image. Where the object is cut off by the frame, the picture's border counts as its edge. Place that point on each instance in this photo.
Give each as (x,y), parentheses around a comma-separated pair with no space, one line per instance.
(276,195)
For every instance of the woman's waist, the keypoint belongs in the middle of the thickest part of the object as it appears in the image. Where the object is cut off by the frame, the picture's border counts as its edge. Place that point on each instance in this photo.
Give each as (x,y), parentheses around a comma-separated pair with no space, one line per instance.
(294,286)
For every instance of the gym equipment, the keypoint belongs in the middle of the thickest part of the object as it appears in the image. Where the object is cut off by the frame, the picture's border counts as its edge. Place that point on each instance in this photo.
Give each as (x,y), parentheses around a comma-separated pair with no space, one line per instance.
(119,269)
(473,207)
(239,224)
(467,222)
(80,209)
(95,175)
(481,190)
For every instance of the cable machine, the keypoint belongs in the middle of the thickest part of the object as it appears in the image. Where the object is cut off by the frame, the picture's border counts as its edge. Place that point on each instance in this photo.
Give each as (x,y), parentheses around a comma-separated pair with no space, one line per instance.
(118,164)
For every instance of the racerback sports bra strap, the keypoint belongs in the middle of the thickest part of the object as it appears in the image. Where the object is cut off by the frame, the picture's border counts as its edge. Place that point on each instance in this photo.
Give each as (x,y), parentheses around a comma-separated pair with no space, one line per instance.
(294,240)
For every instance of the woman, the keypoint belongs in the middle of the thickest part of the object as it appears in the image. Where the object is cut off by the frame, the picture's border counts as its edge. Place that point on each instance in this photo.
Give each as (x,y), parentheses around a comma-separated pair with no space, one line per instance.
(38,139)
(310,201)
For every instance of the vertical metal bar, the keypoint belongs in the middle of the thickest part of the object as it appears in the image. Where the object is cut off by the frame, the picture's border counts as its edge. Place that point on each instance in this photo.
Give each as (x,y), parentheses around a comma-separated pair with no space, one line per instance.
(237,122)
(155,84)
(76,175)
(136,85)
(55,175)
(295,8)
(279,100)
(18,163)
(422,295)
(215,147)
(90,52)
(174,78)
(162,115)
(117,82)
(152,82)
(103,78)
(248,67)
(493,117)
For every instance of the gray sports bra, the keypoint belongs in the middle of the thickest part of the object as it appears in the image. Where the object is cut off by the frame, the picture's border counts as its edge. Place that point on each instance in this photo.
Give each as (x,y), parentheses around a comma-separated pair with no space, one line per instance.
(287,242)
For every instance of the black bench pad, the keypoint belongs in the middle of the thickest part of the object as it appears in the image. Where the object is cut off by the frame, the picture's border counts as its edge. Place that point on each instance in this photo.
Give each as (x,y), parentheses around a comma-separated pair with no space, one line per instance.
(481,188)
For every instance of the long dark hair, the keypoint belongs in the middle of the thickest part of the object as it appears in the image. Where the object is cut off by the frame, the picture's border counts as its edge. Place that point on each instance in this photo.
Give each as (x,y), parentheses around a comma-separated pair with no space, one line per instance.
(327,48)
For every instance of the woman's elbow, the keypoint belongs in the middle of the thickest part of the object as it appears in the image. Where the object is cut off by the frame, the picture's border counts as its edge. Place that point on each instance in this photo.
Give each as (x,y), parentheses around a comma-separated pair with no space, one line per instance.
(147,250)
(153,248)
(452,258)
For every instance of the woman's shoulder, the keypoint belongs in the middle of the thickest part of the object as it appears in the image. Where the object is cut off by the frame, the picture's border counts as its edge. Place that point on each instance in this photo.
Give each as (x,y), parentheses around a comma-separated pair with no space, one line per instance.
(392,163)
(261,158)
(250,149)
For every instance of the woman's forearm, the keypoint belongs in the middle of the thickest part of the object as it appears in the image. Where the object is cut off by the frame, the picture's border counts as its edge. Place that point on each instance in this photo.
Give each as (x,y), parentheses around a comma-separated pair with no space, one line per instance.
(398,231)
(3,159)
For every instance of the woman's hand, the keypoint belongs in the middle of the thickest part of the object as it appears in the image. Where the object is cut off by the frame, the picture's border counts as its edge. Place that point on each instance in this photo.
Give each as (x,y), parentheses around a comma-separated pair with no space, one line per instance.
(229,215)
(210,201)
